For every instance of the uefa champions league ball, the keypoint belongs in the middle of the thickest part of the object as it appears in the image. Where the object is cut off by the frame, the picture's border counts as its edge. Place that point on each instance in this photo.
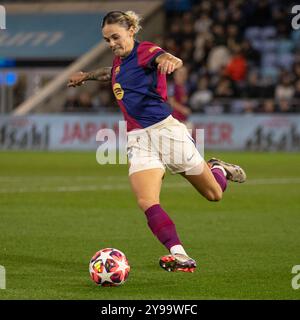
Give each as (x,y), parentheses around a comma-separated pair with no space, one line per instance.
(109,267)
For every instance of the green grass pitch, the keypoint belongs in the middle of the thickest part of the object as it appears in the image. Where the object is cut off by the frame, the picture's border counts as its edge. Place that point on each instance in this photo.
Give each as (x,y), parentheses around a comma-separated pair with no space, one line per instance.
(58,209)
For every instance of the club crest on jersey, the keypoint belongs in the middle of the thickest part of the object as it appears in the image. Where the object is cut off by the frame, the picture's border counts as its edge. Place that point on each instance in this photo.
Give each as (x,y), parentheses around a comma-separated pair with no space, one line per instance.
(117,70)
(118,91)
(153,48)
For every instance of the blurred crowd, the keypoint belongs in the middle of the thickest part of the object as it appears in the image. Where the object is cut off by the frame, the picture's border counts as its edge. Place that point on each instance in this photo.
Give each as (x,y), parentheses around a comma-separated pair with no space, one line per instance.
(240,56)
(84,101)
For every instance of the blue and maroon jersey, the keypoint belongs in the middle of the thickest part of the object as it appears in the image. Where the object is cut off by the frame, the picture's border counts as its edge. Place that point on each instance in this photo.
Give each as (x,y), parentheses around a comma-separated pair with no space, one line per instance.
(140,89)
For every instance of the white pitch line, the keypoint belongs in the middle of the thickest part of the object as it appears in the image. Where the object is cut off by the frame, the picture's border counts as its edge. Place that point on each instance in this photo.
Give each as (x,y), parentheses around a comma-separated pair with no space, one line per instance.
(124,186)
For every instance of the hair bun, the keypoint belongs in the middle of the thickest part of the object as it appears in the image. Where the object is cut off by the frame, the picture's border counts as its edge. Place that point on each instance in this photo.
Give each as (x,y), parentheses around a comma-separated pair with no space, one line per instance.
(134,20)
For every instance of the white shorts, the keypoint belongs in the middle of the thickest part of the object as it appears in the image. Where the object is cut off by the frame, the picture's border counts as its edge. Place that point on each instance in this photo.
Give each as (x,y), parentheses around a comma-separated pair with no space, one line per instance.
(167,144)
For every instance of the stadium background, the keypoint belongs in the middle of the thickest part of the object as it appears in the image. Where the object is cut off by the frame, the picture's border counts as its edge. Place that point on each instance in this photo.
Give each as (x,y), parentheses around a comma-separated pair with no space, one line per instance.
(57,208)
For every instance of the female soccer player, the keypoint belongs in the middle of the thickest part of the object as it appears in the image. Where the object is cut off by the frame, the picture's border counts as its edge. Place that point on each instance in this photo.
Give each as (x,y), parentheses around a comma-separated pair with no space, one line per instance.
(156,140)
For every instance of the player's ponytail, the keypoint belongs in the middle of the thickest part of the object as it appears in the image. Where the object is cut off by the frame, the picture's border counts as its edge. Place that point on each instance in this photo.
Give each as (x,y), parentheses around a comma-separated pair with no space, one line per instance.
(134,20)
(125,19)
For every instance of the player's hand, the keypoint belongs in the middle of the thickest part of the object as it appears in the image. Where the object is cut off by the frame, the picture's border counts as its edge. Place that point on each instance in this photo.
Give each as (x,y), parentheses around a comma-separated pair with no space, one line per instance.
(167,63)
(77,79)
(166,66)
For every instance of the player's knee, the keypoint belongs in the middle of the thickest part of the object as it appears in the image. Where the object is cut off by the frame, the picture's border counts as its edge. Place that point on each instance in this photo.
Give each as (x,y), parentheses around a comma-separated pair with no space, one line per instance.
(214,195)
(146,203)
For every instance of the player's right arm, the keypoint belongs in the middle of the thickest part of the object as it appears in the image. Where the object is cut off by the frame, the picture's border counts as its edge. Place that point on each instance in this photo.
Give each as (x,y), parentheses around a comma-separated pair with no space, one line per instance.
(102,74)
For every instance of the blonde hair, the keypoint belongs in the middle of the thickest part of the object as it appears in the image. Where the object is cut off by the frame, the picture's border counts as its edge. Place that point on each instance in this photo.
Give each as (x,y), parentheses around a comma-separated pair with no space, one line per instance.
(135,20)
(125,19)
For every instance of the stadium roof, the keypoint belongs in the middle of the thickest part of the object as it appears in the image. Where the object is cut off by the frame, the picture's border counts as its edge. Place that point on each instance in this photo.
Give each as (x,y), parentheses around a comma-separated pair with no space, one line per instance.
(49,35)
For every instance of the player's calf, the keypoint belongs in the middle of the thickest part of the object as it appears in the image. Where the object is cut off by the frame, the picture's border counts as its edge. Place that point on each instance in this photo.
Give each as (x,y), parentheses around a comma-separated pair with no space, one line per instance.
(214,194)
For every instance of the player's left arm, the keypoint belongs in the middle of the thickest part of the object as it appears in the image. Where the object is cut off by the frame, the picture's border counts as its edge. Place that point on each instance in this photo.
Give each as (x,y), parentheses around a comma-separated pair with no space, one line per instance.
(167,63)
(102,74)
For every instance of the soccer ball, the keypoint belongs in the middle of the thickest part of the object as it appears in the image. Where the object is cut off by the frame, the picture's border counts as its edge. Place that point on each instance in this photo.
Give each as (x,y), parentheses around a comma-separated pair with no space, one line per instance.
(109,267)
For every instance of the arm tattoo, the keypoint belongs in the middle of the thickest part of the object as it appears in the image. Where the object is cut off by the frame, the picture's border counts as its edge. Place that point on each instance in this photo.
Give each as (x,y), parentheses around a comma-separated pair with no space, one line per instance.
(101,74)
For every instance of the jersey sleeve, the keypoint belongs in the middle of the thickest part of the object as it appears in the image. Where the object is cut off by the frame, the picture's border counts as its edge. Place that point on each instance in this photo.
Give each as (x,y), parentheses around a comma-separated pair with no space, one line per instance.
(147,53)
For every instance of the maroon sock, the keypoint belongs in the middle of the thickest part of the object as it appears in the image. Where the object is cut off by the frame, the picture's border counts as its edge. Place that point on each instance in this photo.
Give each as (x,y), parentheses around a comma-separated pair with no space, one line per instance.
(219,176)
(162,226)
